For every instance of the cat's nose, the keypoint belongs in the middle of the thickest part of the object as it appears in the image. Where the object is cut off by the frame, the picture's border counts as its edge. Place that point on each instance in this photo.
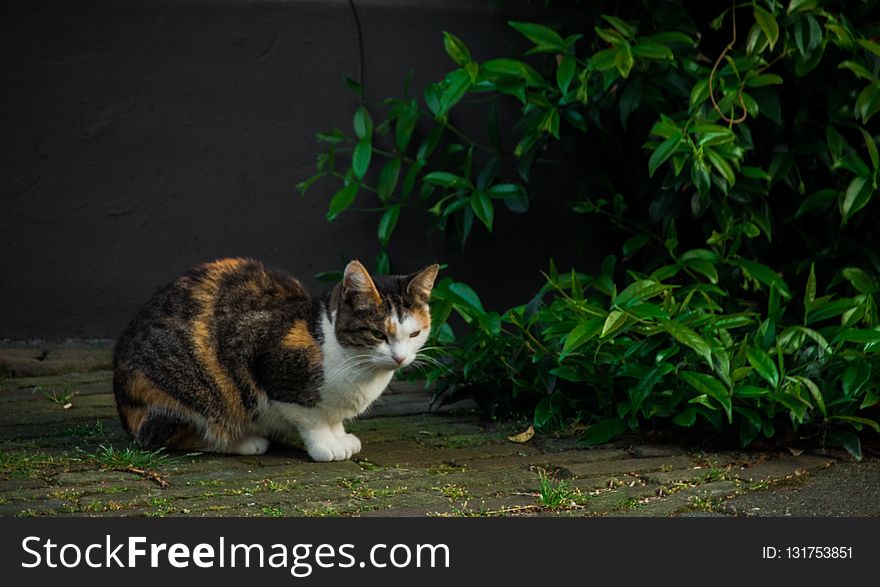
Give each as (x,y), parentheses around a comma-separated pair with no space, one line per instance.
(399,359)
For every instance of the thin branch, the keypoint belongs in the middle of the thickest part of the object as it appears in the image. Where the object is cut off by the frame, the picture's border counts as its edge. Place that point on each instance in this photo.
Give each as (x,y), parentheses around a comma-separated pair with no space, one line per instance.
(739,93)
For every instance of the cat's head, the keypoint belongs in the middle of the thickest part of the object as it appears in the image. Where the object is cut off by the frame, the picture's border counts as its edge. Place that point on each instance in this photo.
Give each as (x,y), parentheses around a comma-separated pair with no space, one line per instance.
(385,318)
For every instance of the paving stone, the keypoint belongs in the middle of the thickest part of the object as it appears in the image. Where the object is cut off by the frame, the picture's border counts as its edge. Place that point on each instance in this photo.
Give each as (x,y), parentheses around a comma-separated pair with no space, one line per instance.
(843,489)
(780,468)
(632,466)
(644,451)
(53,358)
(679,501)
(694,474)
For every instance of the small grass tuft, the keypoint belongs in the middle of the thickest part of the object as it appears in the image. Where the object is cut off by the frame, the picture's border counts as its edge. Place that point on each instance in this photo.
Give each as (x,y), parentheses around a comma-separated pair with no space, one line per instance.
(63,398)
(130,457)
(452,491)
(558,494)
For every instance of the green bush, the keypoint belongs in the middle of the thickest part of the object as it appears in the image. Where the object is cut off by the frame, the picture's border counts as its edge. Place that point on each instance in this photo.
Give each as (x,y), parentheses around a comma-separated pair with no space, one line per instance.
(736,155)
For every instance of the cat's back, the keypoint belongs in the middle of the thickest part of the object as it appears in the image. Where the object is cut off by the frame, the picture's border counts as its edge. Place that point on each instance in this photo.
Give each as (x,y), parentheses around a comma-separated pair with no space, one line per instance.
(218,294)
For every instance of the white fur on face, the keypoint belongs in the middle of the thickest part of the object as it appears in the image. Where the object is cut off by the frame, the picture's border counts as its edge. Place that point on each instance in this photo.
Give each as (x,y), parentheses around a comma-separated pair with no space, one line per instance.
(402,344)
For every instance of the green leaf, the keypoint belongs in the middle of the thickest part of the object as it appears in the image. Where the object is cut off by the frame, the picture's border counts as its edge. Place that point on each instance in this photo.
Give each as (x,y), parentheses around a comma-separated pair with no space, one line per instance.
(701,177)
(544,412)
(456,49)
(406,124)
(342,199)
(860,280)
(580,335)
(565,72)
(869,46)
(637,291)
(688,337)
(387,223)
(354,86)
(620,26)
(623,60)
(765,275)
(710,386)
(846,439)
(363,124)
(429,143)
(699,93)
(749,425)
(334,136)
(855,377)
(614,322)
(721,165)
(513,67)
(446,179)
(817,201)
(543,37)
(483,208)
(763,365)
(815,392)
(798,5)
(860,336)
(457,84)
(360,159)
(872,149)
(685,418)
(410,180)
(750,391)
(767,24)
(653,51)
(603,431)
(858,69)
(466,294)
(859,421)
(856,197)
(634,244)
(763,79)
(388,178)
(604,60)
(810,290)
(868,101)
(630,98)
(663,152)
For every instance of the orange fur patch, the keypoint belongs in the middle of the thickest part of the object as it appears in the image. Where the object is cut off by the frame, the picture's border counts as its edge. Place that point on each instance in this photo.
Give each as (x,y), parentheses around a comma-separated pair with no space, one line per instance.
(423,316)
(299,337)
(142,390)
(205,345)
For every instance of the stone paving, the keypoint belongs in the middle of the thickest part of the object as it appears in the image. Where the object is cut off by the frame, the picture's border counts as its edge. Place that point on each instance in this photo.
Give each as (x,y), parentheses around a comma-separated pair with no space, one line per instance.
(63,452)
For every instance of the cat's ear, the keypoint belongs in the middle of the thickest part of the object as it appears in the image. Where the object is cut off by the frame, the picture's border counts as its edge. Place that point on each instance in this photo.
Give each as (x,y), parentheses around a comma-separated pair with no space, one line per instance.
(359,287)
(421,283)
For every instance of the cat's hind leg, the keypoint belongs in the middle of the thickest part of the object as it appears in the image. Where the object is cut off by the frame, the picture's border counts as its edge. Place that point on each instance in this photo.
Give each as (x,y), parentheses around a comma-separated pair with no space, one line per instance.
(165,428)
(169,429)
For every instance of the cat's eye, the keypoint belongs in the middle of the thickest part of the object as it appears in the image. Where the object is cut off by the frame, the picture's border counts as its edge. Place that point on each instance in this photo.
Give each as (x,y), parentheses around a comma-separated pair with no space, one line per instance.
(378,335)
(415,334)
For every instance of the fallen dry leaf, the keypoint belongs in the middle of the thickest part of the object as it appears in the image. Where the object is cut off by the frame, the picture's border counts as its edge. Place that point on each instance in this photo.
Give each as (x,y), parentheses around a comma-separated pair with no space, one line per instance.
(795,451)
(524,436)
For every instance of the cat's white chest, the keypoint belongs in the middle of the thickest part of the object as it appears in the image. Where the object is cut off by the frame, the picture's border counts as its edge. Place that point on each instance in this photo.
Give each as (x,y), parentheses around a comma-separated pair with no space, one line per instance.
(350,383)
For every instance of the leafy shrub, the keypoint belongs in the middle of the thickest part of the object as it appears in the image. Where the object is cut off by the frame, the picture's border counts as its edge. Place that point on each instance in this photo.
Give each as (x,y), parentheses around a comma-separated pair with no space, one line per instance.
(744,297)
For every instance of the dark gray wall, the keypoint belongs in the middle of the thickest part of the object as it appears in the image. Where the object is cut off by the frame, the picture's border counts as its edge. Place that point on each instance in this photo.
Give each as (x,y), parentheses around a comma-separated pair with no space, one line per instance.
(138,138)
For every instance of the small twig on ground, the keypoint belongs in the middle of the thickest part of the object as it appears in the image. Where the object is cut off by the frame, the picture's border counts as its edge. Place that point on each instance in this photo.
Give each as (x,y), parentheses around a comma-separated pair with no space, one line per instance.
(151,475)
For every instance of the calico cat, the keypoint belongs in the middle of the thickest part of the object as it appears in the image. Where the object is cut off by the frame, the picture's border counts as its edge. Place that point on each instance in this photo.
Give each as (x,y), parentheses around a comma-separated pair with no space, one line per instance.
(233,354)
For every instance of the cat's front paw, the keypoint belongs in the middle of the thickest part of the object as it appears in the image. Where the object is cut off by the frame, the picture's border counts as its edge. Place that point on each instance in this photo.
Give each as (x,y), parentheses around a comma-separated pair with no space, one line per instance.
(352,444)
(253,445)
(339,450)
